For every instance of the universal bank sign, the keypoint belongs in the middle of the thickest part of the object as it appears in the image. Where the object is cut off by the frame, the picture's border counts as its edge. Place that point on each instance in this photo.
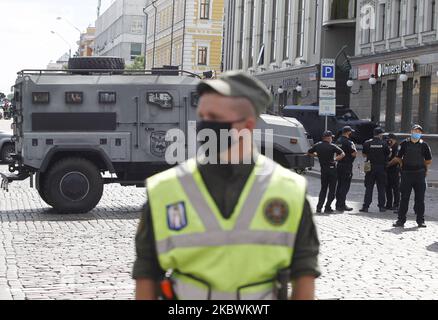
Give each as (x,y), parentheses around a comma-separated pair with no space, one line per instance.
(404,66)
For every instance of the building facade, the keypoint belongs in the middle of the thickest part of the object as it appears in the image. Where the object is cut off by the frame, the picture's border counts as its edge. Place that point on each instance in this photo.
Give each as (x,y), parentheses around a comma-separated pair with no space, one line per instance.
(282,43)
(398,45)
(86,43)
(185,33)
(120,30)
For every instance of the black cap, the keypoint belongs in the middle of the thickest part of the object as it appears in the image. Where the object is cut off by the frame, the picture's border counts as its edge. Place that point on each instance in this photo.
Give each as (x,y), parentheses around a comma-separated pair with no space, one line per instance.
(392,136)
(347,129)
(378,131)
(327,134)
(418,127)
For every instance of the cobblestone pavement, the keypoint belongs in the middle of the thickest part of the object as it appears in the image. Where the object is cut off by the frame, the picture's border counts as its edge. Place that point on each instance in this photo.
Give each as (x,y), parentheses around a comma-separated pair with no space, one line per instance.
(44,255)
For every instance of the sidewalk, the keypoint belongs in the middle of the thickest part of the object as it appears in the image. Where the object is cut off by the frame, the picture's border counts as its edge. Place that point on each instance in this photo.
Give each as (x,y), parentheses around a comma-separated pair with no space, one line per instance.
(359,175)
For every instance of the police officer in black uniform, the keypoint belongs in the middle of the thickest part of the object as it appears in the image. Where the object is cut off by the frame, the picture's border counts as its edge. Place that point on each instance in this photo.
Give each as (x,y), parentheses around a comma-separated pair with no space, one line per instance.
(377,153)
(415,158)
(345,168)
(393,176)
(326,151)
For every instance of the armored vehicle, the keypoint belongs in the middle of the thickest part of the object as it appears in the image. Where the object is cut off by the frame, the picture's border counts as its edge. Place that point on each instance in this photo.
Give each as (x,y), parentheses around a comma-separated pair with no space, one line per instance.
(78,129)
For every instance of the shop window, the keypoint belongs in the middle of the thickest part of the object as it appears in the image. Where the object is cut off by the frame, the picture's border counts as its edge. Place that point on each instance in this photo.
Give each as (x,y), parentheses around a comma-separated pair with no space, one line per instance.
(74,97)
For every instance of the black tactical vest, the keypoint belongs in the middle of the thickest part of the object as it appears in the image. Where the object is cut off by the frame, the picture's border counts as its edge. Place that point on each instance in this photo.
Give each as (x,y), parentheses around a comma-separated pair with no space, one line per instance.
(413,158)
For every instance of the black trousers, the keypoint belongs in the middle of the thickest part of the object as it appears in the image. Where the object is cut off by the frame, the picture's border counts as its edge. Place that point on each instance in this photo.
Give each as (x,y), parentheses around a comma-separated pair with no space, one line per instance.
(345,175)
(328,182)
(393,187)
(415,180)
(377,176)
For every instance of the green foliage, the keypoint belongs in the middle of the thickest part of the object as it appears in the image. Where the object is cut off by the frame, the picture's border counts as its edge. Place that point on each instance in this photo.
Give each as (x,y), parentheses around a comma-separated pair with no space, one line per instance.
(10,96)
(137,65)
(2,95)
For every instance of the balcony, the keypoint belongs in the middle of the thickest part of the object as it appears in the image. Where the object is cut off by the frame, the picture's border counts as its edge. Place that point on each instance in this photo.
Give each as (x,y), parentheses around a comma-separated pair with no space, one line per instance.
(339,12)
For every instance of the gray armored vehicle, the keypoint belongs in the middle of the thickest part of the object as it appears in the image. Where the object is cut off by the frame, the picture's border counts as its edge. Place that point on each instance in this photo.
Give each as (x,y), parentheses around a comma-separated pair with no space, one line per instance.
(94,124)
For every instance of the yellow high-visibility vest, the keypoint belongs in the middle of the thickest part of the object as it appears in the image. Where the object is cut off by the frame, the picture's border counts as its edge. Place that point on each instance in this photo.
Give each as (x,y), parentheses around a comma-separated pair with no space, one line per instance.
(217,258)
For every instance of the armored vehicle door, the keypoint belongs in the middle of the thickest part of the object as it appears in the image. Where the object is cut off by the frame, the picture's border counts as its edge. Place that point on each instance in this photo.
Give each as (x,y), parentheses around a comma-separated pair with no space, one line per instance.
(162,110)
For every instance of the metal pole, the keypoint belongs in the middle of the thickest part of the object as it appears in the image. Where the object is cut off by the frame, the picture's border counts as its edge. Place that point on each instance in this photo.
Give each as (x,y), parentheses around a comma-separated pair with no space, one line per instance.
(184,35)
(326,123)
(145,34)
(155,34)
(171,34)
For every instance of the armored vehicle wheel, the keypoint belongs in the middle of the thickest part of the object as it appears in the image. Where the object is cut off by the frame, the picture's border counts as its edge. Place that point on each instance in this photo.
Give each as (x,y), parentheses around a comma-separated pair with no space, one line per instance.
(96,63)
(6,152)
(74,185)
(42,191)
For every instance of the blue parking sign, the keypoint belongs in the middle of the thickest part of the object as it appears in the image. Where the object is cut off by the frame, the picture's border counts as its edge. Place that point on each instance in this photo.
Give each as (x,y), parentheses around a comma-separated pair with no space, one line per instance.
(328,69)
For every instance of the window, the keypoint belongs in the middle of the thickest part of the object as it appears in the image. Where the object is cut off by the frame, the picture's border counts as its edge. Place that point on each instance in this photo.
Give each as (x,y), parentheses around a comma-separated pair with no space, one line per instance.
(40,97)
(251,34)
(261,57)
(241,33)
(205,9)
(397,19)
(74,97)
(382,21)
(161,99)
(431,12)
(137,26)
(300,28)
(135,50)
(202,56)
(286,31)
(107,97)
(273,30)
(412,21)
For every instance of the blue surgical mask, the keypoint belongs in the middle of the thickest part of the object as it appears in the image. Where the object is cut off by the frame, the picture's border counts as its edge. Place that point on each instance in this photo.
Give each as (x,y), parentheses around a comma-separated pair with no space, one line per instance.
(416,136)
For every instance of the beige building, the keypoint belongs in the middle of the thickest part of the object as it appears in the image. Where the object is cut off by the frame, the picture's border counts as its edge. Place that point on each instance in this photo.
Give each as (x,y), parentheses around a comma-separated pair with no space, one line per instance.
(86,43)
(185,33)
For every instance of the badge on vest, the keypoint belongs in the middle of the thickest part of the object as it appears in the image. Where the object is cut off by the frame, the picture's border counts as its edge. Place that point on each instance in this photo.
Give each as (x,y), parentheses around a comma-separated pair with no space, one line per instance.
(276,212)
(176,216)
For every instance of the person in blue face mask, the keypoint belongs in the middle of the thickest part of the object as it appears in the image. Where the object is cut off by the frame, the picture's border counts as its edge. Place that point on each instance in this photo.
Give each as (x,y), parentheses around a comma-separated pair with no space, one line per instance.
(415,157)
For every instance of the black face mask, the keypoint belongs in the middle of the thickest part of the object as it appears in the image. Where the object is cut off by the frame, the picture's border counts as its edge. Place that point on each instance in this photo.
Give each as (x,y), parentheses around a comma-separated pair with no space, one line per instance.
(217,127)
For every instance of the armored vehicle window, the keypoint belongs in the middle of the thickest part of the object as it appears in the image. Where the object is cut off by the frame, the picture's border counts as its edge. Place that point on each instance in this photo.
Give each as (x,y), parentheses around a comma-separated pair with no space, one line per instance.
(40,97)
(74,97)
(107,97)
(194,99)
(161,99)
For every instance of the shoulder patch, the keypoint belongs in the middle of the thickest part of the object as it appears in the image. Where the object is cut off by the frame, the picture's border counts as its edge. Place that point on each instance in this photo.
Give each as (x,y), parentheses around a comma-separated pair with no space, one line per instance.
(176,216)
(276,212)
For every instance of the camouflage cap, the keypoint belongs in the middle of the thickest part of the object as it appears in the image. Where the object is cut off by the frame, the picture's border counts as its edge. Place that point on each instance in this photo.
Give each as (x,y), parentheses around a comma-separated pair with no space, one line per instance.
(239,84)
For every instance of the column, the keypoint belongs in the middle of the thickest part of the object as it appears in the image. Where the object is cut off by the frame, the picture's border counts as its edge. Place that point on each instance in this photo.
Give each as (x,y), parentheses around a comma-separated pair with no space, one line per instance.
(375,102)
(406,120)
(391,96)
(424,103)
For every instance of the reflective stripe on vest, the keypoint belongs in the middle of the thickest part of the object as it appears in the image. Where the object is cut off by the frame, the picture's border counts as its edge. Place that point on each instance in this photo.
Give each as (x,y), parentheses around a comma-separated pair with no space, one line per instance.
(226,253)
(191,292)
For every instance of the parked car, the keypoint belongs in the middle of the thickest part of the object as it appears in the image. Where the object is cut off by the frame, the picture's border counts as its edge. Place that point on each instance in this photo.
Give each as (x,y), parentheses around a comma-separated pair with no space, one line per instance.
(315,124)
(7,147)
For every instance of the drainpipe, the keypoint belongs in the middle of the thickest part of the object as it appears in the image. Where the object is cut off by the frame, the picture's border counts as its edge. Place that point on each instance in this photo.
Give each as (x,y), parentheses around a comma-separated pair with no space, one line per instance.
(184,35)
(171,35)
(155,34)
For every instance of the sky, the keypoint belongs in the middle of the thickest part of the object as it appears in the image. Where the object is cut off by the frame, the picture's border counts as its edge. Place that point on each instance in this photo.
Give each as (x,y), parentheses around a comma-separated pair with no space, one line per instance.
(26,41)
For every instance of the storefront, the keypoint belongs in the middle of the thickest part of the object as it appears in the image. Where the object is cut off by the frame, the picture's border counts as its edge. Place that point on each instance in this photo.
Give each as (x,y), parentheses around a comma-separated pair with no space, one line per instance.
(292,86)
(397,89)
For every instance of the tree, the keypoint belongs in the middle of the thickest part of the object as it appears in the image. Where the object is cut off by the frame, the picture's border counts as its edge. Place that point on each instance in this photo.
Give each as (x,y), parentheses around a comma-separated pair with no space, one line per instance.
(137,65)
(2,96)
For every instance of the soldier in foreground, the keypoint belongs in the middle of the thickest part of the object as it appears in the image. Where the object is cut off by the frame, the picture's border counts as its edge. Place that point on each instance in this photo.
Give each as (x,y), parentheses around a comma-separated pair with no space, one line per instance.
(415,158)
(393,176)
(327,153)
(212,231)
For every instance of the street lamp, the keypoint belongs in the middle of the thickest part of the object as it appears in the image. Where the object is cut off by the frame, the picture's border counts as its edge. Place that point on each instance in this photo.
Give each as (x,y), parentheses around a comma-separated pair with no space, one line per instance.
(299,88)
(280,90)
(72,25)
(350,84)
(372,81)
(403,77)
(63,39)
